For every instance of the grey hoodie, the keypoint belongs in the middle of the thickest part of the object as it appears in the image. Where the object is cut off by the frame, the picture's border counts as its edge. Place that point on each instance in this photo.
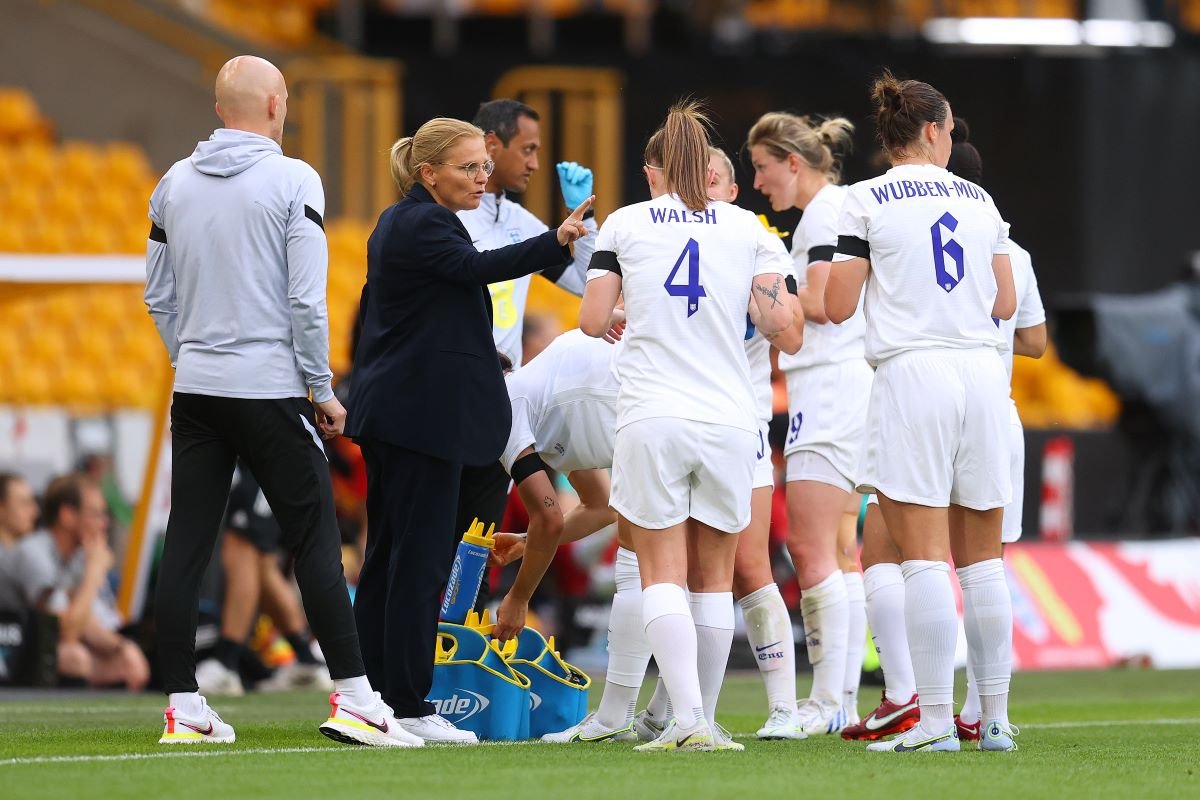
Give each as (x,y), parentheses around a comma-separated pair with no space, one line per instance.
(236,271)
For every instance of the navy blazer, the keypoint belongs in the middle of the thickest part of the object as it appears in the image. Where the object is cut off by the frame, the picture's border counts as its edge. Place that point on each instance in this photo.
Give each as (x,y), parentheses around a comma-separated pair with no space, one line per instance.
(426,374)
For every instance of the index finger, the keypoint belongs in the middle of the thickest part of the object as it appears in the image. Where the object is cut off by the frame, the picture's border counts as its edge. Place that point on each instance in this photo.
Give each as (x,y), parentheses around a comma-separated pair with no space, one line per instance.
(578,213)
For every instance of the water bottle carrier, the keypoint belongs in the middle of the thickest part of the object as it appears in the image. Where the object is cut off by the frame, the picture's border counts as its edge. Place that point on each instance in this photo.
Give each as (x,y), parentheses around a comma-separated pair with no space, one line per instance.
(520,690)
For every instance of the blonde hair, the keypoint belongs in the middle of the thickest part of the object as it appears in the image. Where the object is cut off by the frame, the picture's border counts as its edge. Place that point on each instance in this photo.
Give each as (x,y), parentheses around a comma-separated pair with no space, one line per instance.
(426,146)
(685,146)
(653,154)
(725,159)
(819,143)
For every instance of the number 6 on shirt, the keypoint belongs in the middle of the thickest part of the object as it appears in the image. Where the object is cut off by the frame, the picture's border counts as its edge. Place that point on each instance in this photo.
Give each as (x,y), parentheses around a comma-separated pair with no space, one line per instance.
(692,290)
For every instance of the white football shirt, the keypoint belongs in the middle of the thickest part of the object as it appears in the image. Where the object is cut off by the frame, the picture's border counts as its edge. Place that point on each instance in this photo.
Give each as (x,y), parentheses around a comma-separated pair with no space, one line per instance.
(686,278)
(815,239)
(930,237)
(1030,310)
(758,357)
(564,404)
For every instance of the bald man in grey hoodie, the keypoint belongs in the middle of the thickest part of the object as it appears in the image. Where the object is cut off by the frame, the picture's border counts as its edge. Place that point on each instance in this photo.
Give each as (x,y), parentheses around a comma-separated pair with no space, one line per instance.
(235,282)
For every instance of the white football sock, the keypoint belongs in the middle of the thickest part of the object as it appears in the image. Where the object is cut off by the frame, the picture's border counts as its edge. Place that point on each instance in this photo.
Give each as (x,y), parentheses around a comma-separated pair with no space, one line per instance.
(932,624)
(987,617)
(826,623)
(970,706)
(628,650)
(884,587)
(995,706)
(672,636)
(188,704)
(659,707)
(856,639)
(769,632)
(713,614)
(357,690)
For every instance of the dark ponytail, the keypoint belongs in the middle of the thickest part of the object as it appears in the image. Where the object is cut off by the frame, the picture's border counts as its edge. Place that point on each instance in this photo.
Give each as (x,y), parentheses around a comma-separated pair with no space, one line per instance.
(902,108)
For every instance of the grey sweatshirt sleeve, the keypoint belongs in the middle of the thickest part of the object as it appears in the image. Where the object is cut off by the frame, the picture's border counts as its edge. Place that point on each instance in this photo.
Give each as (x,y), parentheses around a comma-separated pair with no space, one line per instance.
(160,276)
(574,277)
(308,268)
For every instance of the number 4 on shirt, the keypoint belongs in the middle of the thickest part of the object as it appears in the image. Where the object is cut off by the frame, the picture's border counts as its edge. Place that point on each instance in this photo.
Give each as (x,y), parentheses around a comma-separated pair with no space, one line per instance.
(692,290)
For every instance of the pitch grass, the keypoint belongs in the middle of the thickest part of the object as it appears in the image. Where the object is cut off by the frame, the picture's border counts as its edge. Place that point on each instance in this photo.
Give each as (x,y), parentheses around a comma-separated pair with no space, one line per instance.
(1108,734)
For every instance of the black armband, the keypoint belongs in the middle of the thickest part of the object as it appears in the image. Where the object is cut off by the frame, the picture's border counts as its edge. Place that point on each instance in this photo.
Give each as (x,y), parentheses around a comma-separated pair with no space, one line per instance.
(605,259)
(822,252)
(312,215)
(854,246)
(527,465)
(157,234)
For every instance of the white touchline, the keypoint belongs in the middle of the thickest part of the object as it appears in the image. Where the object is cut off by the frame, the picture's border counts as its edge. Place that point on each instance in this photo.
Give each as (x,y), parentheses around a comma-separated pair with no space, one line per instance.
(219,751)
(1096,723)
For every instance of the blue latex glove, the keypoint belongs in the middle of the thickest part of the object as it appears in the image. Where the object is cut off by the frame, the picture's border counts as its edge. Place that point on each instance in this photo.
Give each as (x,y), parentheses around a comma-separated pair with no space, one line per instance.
(576,183)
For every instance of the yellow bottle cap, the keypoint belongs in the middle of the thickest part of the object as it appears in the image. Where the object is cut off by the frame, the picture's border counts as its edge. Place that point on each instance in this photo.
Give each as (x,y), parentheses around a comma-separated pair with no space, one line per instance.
(476,536)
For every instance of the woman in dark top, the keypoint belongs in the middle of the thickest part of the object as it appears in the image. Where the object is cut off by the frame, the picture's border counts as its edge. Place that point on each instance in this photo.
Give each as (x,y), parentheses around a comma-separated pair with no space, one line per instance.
(427,398)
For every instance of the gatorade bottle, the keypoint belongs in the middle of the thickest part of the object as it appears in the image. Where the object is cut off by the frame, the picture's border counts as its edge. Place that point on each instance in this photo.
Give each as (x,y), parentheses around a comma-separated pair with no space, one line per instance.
(466,576)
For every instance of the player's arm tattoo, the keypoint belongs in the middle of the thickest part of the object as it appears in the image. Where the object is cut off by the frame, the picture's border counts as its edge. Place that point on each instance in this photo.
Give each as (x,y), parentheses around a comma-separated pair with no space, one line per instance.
(772,293)
(548,501)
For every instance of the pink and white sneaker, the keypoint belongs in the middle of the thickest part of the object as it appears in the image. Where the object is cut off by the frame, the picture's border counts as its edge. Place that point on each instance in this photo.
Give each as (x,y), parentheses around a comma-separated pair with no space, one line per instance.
(374,725)
(205,728)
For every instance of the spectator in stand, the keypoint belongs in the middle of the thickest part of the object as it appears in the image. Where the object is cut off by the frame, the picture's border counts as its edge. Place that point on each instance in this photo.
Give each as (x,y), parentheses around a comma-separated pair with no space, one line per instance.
(18,515)
(63,570)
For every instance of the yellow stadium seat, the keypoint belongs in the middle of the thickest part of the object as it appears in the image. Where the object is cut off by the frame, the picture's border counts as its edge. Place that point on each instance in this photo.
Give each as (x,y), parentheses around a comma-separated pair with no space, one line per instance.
(33,385)
(36,162)
(23,204)
(79,386)
(13,236)
(125,165)
(47,346)
(49,236)
(79,163)
(64,203)
(92,238)
(19,115)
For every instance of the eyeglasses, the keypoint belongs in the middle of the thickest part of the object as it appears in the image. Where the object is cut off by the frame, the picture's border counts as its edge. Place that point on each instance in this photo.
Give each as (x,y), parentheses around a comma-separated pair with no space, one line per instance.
(473,168)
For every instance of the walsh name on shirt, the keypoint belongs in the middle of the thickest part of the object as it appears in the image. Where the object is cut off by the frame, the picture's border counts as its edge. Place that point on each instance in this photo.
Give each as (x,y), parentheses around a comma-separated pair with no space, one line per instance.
(706,217)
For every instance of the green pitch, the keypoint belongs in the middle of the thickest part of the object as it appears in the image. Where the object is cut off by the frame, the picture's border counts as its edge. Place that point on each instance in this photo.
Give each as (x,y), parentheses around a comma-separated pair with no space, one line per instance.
(1108,734)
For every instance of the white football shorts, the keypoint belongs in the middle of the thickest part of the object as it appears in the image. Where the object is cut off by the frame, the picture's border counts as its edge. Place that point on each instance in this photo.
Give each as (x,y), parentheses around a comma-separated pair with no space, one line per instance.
(827,408)
(1015,510)
(938,430)
(764,469)
(667,469)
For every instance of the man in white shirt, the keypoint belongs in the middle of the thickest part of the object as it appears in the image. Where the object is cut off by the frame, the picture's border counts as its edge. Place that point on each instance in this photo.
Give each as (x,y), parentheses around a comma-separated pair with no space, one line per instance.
(513,142)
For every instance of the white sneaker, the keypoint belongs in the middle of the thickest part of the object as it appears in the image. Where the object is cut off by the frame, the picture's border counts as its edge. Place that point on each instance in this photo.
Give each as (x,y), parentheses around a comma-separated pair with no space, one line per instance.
(298,676)
(918,739)
(374,726)
(647,727)
(723,739)
(590,730)
(816,718)
(998,735)
(215,678)
(437,729)
(781,724)
(698,737)
(205,728)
